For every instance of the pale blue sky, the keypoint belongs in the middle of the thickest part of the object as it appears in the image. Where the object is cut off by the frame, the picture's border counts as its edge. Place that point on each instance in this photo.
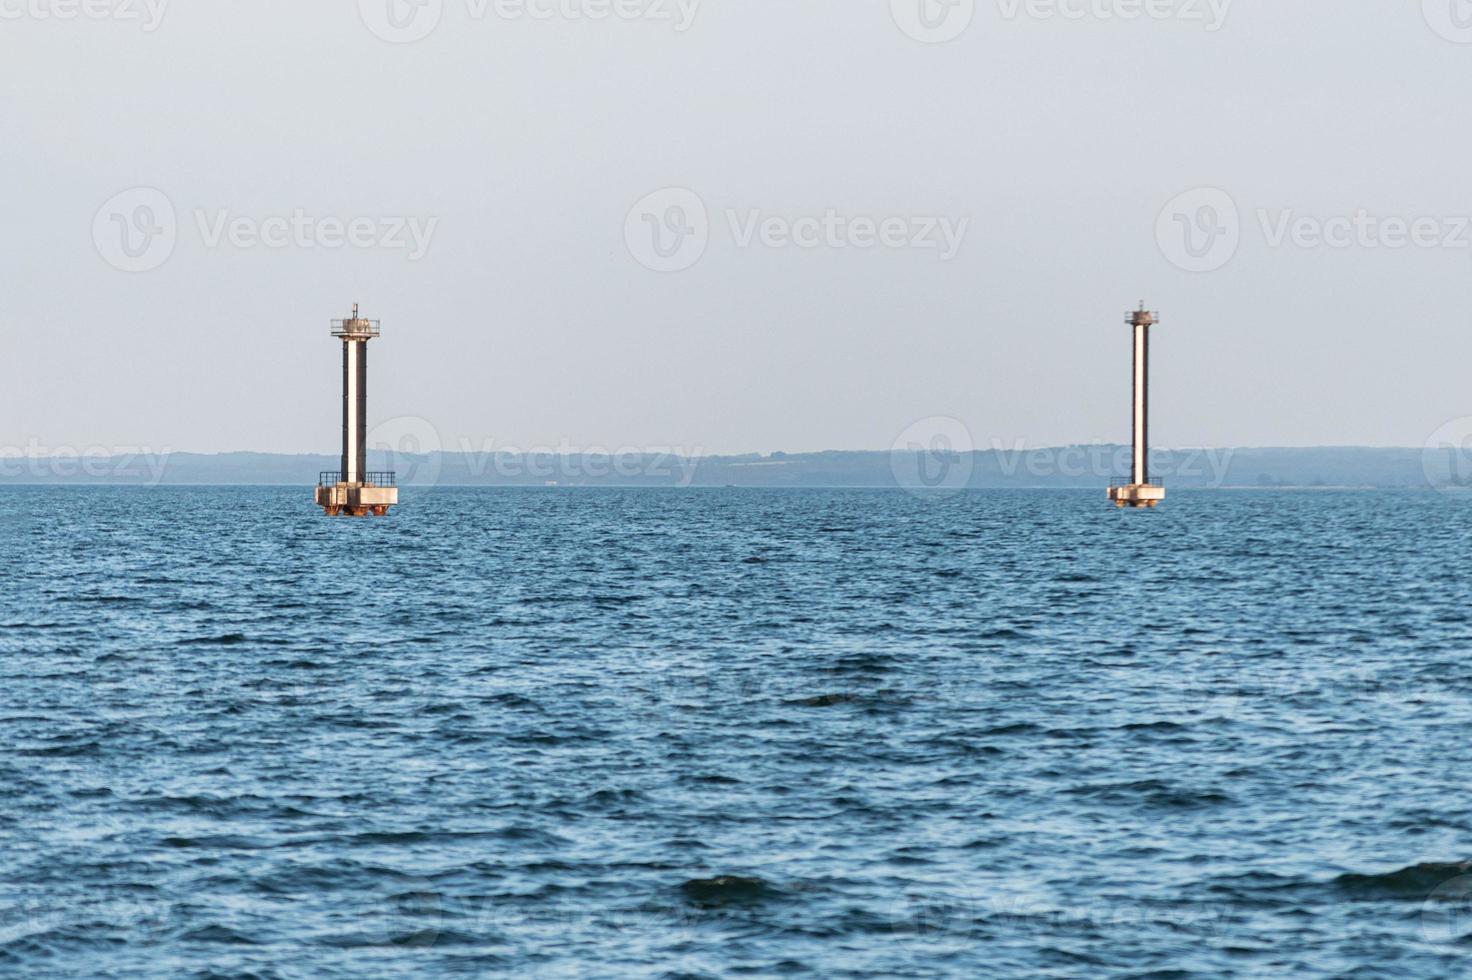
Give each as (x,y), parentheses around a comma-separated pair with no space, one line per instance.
(524,143)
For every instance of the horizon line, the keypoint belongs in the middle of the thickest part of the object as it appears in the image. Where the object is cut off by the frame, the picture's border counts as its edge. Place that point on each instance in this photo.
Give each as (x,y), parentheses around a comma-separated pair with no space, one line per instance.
(104,452)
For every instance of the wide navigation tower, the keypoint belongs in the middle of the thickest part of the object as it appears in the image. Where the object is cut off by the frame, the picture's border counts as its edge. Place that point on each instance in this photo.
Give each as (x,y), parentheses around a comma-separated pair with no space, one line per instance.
(352,491)
(1139,490)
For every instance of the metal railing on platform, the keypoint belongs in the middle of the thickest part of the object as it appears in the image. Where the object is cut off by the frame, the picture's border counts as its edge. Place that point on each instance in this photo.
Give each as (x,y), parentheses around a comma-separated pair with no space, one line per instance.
(331,478)
(357,328)
(1129,481)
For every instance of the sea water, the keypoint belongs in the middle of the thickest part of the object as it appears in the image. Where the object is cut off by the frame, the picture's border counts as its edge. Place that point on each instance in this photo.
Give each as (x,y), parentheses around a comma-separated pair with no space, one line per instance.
(602,733)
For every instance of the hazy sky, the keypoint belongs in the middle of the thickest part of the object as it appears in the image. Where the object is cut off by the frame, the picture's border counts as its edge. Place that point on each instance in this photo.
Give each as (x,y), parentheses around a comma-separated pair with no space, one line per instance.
(523,142)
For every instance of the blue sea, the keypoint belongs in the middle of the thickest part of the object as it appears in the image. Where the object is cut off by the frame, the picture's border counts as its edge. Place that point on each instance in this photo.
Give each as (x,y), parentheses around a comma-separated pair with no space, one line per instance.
(735,733)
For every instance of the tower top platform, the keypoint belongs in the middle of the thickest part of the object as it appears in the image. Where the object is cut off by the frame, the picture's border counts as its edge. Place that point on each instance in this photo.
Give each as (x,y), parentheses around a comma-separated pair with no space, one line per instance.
(1141,317)
(356,328)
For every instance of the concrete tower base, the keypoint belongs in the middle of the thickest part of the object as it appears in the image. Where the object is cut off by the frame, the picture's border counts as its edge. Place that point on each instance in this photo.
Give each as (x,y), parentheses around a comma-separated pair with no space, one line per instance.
(356,500)
(1136,495)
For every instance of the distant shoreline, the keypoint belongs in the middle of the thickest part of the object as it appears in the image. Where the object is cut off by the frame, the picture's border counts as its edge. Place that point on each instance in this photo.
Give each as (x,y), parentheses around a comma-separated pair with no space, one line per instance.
(1055,468)
(96,485)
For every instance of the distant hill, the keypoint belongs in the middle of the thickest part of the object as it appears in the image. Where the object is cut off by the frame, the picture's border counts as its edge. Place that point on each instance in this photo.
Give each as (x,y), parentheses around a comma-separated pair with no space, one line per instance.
(1063,467)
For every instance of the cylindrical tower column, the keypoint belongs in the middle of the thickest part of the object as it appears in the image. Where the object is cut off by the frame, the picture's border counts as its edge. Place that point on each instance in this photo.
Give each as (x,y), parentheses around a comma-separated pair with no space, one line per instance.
(1141,473)
(360,439)
(349,373)
(354,409)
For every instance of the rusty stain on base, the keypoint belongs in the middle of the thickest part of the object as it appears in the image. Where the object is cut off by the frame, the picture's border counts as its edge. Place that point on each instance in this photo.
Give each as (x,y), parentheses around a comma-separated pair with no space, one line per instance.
(1137,495)
(356,500)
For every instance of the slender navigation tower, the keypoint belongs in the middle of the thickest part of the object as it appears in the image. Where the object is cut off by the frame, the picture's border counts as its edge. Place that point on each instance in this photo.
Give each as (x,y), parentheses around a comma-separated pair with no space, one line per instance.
(353,491)
(1138,490)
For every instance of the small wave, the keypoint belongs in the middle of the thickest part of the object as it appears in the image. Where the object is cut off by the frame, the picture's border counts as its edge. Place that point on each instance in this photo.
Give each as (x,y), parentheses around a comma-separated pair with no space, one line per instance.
(218,934)
(223,842)
(63,751)
(611,797)
(963,746)
(825,701)
(228,639)
(535,836)
(1151,792)
(511,700)
(1021,728)
(1255,884)
(727,890)
(617,600)
(710,779)
(1415,882)
(403,938)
